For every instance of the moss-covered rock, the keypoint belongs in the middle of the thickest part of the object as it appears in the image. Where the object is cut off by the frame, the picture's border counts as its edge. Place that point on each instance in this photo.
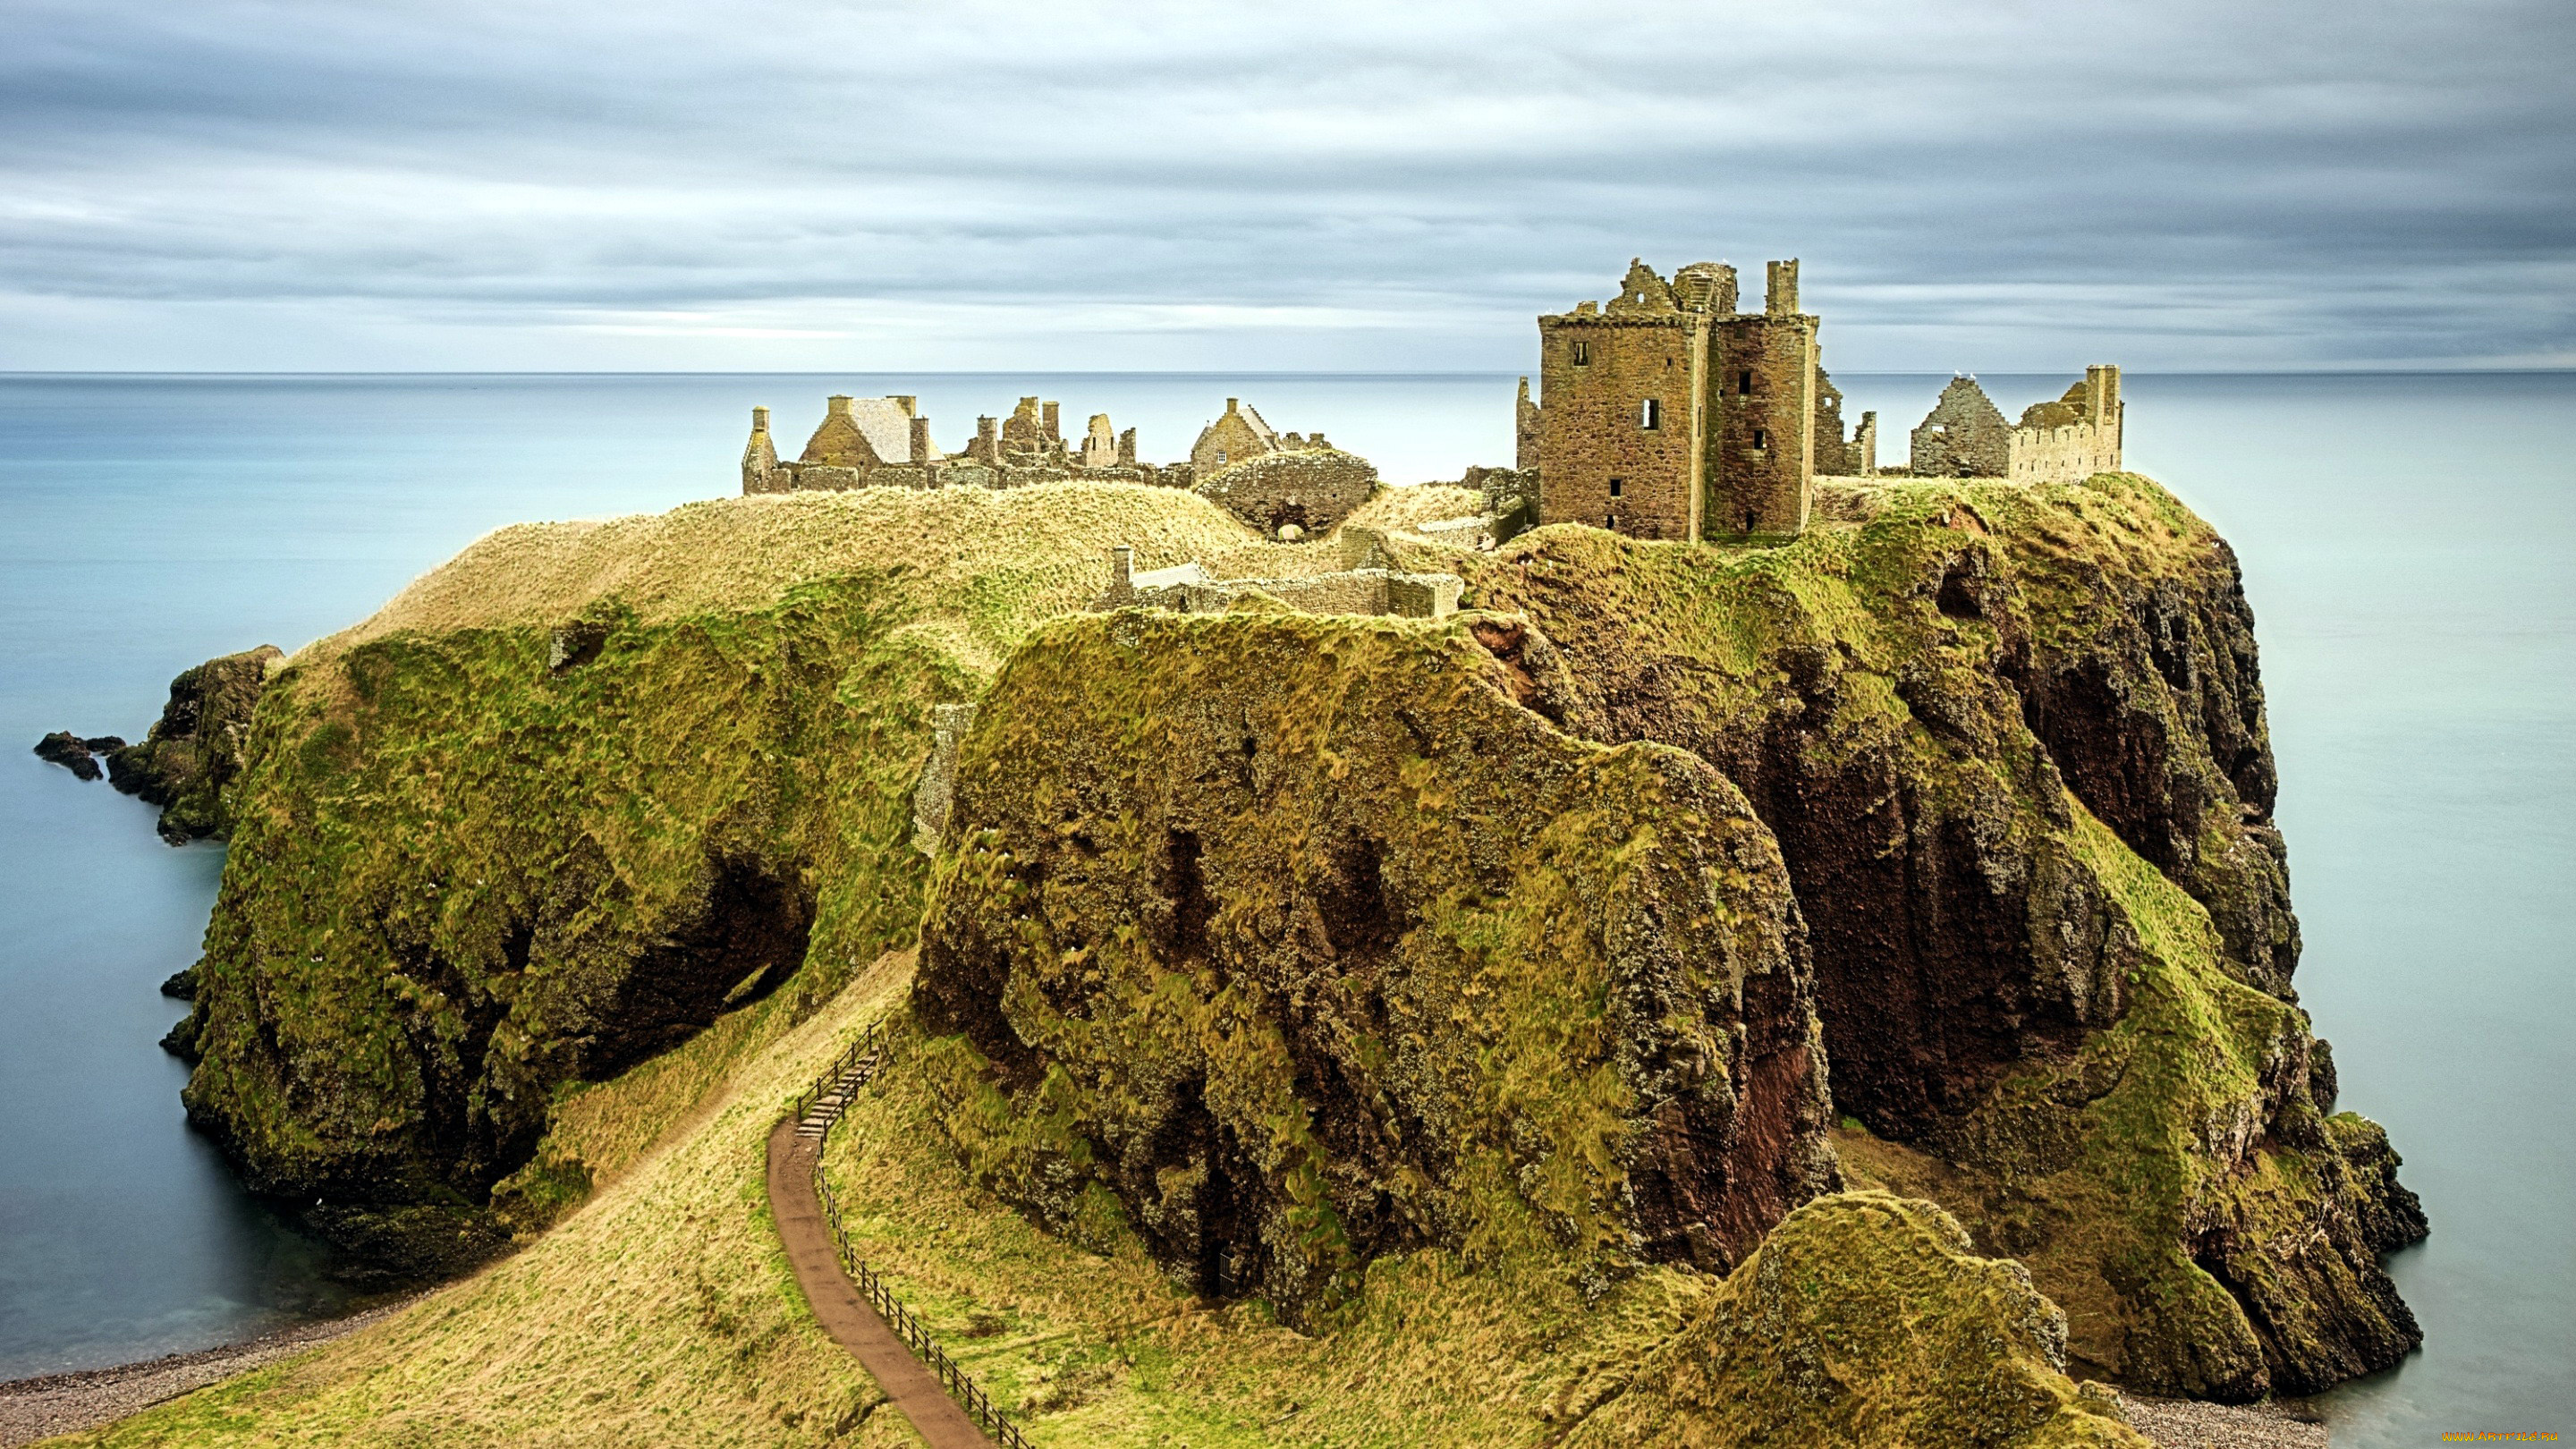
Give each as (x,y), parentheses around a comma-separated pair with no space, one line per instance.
(199,744)
(532,831)
(1296,941)
(2011,741)
(1865,1321)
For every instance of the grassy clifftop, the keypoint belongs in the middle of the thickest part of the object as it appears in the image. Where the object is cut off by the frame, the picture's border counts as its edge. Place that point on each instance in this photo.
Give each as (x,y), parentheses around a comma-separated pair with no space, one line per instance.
(978,566)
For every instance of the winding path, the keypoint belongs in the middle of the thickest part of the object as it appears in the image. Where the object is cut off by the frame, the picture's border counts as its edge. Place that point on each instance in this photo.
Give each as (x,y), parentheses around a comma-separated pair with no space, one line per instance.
(842,1312)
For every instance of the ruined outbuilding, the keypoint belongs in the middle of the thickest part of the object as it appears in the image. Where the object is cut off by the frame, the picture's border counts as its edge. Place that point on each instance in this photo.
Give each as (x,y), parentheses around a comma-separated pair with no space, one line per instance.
(2073,438)
(2065,441)
(1368,583)
(1964,436)
(1288,485)
(885,443)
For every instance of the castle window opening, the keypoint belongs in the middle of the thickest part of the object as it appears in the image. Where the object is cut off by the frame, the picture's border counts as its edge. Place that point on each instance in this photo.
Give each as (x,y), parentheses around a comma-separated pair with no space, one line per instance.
(1582,354)
(1610,520)
(1744,383)
(1761,439)
(1615,484)
(1220,457)
(1651,416)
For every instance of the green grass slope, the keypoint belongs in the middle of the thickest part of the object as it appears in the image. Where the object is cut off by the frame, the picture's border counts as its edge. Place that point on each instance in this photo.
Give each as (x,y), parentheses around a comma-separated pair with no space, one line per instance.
(661,1311)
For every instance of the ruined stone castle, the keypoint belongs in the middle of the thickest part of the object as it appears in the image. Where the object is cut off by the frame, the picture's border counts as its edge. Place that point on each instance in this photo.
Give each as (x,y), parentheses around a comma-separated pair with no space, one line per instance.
(1667,413)
(1670,414)
(1288,485)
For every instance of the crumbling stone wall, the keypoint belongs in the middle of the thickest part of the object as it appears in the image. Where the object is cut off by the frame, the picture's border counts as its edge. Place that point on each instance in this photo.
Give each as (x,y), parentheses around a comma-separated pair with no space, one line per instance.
(937,791)
(1963,436)
(1313,489)
(2073,438)
(1100,444)
(1621,425)
(1856,457)
(1369,587)
(1511,498)
(760,470)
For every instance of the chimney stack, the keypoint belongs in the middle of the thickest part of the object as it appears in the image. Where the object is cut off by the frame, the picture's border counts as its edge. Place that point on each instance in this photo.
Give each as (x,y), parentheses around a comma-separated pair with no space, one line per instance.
(1781,298)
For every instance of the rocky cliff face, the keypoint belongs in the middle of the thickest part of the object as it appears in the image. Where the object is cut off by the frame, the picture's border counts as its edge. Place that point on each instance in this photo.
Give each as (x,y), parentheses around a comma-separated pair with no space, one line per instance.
(2011,743)
(1305,943)
(199,744)
(469,869)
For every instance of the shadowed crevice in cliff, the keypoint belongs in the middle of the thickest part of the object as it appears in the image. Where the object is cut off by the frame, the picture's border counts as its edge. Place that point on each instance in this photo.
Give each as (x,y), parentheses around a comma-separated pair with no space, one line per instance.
(748,934)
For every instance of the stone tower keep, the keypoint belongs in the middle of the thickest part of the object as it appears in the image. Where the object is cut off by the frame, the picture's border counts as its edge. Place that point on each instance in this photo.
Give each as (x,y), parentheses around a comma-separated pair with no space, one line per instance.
(1669,414)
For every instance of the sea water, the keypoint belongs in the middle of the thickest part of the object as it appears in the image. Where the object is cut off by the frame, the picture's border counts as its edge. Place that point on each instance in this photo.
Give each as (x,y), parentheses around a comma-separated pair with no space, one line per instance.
(2407,543)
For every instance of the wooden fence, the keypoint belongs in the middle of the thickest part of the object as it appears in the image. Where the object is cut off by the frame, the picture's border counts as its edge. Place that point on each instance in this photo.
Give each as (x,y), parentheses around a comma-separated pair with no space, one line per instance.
(830,1093)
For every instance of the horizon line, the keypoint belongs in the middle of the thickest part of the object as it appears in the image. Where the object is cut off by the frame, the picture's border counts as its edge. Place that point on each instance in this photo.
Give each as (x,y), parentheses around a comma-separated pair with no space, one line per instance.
(2354,371)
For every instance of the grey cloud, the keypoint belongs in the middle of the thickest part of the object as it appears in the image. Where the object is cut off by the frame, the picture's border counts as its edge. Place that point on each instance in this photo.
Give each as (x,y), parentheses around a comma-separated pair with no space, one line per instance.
(2256,185)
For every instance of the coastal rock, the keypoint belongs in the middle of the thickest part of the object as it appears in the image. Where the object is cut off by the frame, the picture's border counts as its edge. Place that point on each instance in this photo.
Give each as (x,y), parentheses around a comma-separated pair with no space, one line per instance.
(198,745)
(1866,1320)
(181,1040)
(182,984)
(2011,742)
(1304,942)
(68,750)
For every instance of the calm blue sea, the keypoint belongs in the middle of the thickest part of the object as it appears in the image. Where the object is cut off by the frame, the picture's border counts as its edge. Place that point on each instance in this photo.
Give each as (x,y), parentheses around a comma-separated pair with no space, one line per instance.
(2407,542)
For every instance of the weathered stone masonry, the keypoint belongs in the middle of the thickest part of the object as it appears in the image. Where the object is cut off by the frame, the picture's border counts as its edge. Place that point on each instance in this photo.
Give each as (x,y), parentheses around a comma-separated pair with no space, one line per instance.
(2066,441)
(1670,414)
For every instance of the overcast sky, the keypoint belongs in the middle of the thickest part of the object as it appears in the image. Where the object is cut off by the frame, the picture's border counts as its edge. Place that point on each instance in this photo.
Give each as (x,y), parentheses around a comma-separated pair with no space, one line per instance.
(658,184)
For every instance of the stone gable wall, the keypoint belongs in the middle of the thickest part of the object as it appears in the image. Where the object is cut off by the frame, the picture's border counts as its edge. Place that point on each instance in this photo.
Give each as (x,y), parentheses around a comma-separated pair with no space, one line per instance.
(1963,436)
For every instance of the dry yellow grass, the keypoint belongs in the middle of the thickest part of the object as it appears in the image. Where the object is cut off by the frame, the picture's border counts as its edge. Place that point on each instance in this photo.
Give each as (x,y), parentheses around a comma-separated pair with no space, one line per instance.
(1401,508)
(660,1312)
(1049,542)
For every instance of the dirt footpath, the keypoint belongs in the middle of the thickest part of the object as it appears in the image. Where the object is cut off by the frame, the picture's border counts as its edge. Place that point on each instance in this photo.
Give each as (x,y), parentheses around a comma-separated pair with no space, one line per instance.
(843,1313)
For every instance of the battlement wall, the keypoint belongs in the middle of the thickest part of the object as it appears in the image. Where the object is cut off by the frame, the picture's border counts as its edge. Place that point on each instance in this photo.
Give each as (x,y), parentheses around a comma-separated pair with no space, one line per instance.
(2067,454)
